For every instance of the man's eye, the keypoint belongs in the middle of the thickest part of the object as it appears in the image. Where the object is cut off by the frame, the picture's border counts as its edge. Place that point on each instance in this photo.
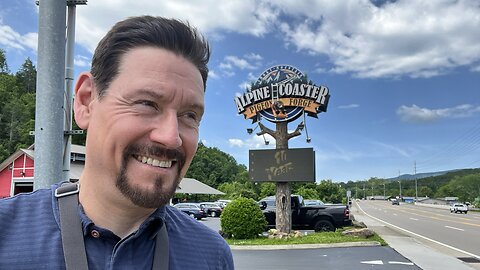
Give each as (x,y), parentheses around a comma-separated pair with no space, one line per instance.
(191,118)
(147,103)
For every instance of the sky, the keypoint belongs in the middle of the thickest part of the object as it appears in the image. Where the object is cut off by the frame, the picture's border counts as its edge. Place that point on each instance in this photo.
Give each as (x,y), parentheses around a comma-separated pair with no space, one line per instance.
(403,76)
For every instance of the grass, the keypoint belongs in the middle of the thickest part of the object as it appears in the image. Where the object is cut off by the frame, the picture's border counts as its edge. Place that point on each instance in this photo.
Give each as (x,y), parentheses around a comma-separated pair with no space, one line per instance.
(315,238)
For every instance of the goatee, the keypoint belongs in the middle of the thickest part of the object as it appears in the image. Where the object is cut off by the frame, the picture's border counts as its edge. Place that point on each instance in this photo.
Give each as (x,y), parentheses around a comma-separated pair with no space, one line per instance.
(163,189)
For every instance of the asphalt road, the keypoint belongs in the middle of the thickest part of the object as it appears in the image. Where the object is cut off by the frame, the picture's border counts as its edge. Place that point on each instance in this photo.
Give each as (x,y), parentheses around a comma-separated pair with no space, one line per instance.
(346,258)
(358,258)
(458,232)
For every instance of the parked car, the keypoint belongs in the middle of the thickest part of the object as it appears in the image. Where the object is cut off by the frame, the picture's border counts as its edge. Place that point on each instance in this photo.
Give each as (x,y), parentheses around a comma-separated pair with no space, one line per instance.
(223,203)
(191,209)
(314,217)
(458,208)
(212,209)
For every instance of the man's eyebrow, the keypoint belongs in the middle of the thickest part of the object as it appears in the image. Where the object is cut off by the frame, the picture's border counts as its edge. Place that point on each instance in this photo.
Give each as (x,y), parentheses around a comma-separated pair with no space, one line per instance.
(156,95)
(147,92)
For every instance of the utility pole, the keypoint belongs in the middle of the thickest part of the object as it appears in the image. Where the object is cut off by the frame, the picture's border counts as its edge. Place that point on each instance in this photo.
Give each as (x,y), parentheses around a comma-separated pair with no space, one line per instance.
(49,97)
(384,191)
(55,57)
(415,176)
(400,183)
(364,195)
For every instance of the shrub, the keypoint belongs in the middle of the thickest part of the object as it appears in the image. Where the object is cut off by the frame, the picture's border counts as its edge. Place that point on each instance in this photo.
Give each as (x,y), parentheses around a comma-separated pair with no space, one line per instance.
(242,219)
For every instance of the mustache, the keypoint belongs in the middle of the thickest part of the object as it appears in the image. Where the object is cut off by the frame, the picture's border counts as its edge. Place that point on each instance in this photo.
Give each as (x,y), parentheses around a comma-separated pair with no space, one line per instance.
(155,150)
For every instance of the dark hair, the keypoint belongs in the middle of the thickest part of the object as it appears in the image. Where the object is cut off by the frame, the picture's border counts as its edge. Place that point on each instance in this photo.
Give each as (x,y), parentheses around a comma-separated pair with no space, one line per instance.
(170,34)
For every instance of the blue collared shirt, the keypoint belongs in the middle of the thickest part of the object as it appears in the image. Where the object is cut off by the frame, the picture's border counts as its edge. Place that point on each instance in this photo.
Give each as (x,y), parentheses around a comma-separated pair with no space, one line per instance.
(30,238)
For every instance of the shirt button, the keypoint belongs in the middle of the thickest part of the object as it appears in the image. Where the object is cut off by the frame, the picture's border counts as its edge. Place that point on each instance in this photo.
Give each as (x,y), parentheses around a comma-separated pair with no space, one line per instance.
(95,233)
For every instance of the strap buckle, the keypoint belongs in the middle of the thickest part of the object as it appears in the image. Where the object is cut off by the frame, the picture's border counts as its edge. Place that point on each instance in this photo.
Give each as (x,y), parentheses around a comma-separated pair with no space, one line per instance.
(67,189)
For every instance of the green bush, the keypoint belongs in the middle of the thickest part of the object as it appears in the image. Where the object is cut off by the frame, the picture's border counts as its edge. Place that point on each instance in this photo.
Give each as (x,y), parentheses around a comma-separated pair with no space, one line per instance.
(242,219)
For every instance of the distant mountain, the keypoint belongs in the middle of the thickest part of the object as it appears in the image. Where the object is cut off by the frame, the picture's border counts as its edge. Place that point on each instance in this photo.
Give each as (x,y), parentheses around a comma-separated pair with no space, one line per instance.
(420,175)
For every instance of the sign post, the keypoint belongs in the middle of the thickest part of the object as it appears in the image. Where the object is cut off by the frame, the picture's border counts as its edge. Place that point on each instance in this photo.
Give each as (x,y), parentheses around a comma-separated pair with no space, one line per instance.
(281,95)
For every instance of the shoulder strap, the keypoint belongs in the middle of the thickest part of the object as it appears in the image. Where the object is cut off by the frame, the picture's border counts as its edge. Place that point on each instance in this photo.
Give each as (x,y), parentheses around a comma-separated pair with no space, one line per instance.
(160,259)
(71,227)
(72,233)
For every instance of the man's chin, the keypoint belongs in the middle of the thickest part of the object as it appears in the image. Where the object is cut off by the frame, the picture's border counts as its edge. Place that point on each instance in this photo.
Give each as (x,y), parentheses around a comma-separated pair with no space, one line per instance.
(154,196)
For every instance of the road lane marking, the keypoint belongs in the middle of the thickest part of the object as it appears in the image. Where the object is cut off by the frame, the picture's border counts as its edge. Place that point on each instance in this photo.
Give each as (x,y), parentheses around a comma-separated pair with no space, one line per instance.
(395,214)
(403,263)
(458,229)
(414,218)
(373,262)
(418,235)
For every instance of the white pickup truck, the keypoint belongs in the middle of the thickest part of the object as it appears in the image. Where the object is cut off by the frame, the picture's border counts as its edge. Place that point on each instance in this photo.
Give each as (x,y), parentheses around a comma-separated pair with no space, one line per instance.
(458,208)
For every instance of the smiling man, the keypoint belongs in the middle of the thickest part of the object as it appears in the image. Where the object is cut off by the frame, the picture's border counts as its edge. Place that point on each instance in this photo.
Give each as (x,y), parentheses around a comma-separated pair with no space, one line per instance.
(141,103)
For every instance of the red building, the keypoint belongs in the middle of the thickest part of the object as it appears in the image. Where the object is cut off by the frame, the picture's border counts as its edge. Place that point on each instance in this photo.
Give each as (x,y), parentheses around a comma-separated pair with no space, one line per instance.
(16,172)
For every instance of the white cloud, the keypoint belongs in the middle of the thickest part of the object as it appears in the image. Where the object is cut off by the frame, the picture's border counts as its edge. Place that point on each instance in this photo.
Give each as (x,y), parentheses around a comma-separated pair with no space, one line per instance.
(209,16)
(234,61)
(231,63)
(254,57)
(349,106)
(212,74)
(393,148)
(475,68)
(9,38)
(420,38)
(82,61)
(254,142)
(404,38)
(417,114)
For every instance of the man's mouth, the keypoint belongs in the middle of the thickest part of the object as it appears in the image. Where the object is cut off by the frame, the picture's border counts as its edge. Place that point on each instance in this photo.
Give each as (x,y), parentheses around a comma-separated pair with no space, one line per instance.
(154,162)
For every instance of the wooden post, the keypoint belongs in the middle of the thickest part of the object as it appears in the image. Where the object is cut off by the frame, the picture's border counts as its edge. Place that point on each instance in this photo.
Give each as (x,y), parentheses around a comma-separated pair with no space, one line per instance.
(283,211)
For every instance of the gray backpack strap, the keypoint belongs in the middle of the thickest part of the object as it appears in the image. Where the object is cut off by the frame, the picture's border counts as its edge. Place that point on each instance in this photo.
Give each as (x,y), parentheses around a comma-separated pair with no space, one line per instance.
(72,232)
(71,227)
(160,257)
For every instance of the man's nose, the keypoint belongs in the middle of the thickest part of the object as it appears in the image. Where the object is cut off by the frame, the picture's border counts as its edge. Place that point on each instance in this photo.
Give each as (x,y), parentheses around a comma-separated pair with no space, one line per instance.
(166,132)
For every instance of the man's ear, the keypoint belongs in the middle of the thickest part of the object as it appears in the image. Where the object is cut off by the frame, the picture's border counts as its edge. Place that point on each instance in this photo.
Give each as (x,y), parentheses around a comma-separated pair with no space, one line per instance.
(85,94)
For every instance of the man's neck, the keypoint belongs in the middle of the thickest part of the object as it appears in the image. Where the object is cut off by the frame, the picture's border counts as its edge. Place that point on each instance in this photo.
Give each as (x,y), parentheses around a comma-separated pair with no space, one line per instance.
(112,211)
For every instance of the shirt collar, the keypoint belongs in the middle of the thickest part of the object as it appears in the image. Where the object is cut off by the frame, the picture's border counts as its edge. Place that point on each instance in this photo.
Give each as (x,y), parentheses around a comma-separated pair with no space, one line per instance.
(155,221)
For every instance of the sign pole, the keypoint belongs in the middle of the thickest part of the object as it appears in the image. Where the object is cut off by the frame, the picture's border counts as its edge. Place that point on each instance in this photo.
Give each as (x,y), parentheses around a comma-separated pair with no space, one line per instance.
(283,193)
(282,94)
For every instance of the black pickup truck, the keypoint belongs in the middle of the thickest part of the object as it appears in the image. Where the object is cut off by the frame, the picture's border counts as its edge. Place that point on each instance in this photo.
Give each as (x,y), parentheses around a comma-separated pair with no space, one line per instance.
(326,217)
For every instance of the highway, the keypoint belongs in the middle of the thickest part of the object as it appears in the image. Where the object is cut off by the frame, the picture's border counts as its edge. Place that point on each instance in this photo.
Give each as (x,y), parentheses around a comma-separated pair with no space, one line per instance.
(458,232)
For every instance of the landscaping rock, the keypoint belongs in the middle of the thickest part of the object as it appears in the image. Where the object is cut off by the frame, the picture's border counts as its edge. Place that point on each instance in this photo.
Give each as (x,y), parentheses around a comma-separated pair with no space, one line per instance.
(359,224)
(363,232)
(274,234)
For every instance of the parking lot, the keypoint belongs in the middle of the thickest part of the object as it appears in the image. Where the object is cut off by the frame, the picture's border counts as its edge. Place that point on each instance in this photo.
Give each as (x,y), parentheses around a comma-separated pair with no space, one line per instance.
(361,258)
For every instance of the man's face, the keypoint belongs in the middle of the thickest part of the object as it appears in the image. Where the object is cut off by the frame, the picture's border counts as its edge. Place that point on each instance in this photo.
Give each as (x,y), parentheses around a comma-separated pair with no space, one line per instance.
(143,134)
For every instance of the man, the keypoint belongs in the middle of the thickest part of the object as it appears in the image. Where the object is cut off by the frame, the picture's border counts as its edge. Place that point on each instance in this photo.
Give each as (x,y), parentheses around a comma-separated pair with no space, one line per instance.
(141,105)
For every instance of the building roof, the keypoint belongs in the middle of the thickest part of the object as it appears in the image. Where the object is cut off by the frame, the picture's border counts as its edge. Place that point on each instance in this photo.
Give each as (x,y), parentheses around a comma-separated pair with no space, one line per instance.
(17,154)
(193,186)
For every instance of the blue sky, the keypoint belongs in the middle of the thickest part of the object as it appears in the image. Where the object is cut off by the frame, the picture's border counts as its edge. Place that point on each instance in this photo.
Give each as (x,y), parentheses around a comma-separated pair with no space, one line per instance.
(404,76)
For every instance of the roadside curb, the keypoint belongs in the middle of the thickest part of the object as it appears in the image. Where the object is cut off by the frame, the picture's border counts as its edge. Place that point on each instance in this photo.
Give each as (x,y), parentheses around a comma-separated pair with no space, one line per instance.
(306,246)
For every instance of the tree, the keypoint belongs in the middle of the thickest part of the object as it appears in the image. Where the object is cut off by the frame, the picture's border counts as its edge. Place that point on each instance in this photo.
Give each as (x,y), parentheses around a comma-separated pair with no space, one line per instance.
(236,190)
(17,113)
(3,63)
(330,192)
(308,193)
(466,188)
(267,189)
(214,167)
(27,77)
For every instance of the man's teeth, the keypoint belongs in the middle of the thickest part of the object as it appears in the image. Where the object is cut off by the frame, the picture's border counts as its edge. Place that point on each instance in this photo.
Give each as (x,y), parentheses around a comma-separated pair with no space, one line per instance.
(155,162)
